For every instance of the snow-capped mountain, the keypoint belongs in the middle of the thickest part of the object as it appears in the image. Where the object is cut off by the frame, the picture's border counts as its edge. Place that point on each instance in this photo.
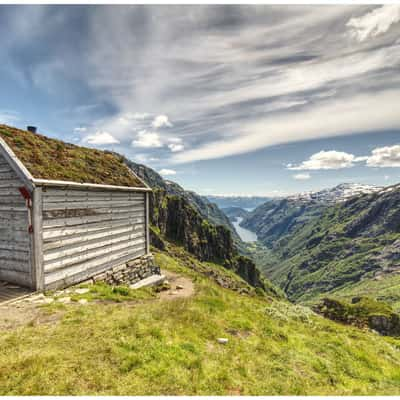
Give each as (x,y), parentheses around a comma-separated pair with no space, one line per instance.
(338,193)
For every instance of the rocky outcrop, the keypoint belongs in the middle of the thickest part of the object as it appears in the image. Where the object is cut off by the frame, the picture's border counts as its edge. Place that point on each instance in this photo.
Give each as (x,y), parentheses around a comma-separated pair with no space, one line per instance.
(362,312)
(174,219)
(202,205)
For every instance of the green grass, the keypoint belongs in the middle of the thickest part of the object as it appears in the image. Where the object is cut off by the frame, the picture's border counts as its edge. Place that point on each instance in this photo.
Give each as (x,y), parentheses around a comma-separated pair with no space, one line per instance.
(47,158)
(104,292)
(170,348)
(387,289)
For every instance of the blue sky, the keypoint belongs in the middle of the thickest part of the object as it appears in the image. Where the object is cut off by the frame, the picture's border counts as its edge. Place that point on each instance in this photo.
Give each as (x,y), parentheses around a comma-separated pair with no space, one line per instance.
(263,100)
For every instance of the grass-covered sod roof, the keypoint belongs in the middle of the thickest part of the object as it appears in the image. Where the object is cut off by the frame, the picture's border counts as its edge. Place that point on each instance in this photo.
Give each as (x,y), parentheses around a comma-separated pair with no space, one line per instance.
(52,159)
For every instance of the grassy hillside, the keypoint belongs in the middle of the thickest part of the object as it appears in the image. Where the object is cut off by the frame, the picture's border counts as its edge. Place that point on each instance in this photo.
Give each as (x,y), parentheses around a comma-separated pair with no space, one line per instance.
(386,289)
(352,247)
(143,345)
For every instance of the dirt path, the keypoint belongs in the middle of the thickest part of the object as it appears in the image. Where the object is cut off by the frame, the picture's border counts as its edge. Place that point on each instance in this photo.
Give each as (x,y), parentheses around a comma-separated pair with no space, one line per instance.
(181,287)
(28,311)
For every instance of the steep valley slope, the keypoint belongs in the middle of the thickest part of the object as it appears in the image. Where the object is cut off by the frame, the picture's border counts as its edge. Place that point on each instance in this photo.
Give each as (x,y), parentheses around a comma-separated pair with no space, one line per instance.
(206,208)
(199,226)
(344,248)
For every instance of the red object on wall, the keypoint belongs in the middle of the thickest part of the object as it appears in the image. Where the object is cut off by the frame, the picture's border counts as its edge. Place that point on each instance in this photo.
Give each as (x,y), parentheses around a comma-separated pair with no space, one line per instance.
(27,196)
(25,193)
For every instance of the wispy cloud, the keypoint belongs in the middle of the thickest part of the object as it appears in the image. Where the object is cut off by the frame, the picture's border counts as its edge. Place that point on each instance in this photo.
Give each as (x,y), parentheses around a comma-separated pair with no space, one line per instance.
(332,118)
(80,129)
(8,117)
(302,177)
(235,79)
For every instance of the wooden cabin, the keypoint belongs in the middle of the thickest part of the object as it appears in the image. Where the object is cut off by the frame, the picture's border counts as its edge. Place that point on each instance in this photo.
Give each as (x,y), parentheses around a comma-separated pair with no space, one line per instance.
(69,213)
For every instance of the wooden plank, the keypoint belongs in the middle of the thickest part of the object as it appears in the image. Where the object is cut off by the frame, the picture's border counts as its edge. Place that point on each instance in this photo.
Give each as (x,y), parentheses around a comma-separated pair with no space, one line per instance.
(60,222)
(14,246)
(58,233)
(54,196)
(87,212)
(11,292)
(80,257)
(87,228)
(17,277)
(105,204)
(10,207)
(15,200)
(147,224)
(14,265)
(86,245)
(90,268)
(7,183)
(89,186)
(84,237)
(14,236)
(6,175)
(10,192)
(37,241)
(13,254)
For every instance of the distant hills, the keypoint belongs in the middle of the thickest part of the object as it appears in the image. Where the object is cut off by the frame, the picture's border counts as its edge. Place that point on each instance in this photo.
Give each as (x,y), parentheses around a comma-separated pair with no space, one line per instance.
(245,202)
(332,241)
(338,193)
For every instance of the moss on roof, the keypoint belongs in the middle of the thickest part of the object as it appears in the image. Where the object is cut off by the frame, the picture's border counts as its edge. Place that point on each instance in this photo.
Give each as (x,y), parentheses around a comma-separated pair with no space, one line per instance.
(53,159)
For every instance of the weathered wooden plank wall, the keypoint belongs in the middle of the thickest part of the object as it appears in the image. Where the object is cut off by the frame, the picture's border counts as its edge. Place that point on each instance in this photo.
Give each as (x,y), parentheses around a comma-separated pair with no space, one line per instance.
(15,258)
(87,231)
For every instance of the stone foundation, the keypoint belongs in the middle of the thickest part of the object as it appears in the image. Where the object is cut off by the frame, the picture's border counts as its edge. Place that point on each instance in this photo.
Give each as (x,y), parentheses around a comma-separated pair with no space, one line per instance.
(129,273)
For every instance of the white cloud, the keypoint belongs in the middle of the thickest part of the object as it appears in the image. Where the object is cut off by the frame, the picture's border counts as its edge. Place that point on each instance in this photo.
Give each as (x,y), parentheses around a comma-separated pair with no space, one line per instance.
(167,172)
(80,129)
(375,23)
(174,147)
(339,116)
(302,177)
(326,160)
(388,156)
(175,144)
(147,139)
(100,138)
(161,121)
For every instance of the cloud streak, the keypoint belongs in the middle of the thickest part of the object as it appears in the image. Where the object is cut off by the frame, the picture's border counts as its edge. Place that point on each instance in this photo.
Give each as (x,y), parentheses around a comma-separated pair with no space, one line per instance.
(223,80)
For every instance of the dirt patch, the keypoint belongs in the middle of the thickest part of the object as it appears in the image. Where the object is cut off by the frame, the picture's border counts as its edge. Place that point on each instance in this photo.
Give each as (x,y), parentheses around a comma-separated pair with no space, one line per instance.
(16,315)
(28,311)
(180,287)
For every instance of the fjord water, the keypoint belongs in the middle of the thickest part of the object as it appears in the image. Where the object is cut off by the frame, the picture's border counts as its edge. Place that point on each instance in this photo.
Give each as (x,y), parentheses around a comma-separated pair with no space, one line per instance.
(245,234)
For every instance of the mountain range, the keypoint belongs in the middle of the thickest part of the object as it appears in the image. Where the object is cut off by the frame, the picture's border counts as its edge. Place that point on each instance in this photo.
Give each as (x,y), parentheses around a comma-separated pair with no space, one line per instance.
(245,202)
(343,241)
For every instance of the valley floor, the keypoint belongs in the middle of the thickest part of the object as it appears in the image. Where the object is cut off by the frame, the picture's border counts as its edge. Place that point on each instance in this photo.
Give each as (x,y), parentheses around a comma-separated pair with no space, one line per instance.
(134,343)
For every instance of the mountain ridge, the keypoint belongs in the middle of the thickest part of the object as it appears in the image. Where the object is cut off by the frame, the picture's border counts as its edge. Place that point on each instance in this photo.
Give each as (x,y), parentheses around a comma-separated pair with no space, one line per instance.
(326,248)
